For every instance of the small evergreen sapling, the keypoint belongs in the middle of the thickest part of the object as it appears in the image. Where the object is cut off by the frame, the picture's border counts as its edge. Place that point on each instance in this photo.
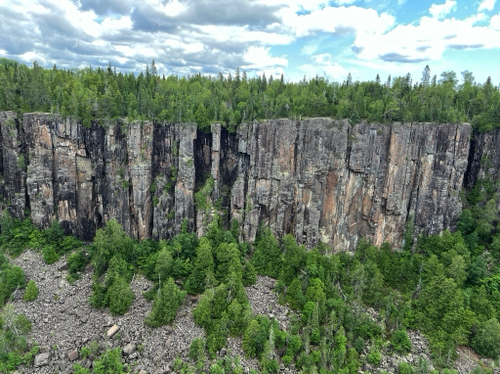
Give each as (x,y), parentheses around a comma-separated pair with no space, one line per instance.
(31,292)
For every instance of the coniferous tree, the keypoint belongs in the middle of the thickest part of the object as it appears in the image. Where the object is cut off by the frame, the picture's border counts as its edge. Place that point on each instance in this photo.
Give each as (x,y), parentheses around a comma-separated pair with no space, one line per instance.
(202,275)
(166,305)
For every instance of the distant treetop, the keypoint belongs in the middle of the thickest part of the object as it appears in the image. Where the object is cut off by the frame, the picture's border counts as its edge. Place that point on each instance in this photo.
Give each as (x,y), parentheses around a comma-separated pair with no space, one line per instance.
(89,94)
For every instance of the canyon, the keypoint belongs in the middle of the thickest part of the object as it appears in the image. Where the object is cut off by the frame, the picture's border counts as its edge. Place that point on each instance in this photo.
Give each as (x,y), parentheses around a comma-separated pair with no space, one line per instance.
(320,179)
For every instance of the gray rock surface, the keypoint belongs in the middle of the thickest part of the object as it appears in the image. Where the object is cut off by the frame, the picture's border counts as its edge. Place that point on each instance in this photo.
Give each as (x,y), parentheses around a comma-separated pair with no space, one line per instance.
(320,179)
(41,359)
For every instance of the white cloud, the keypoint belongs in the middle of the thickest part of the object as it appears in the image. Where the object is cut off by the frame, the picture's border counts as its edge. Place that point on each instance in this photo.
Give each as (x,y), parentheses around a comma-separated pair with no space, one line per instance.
(339,20)
(495,22)
(486,5)
(241,34)
(174,8)
(32,56)
(258,58)
(426,41)
(440,11)
(345,2)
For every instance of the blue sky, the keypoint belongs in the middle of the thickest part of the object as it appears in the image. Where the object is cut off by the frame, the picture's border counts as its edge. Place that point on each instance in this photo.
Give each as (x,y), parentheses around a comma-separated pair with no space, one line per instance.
(295,37)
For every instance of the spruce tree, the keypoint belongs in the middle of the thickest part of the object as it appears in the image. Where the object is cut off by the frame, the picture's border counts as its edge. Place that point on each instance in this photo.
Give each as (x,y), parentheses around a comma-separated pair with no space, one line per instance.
(166,305)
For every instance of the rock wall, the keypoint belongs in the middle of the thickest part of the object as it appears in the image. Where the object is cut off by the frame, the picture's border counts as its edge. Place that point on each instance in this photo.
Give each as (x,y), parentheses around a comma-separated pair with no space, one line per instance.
(320,179)
(326,180)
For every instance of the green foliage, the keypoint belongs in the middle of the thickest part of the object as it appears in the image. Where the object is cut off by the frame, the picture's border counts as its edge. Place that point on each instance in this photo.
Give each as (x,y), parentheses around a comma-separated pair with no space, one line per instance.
(18,235)
(120,296)
(405,368)
(202,275)
(54,234)
(85,352)
(31,292)
(110,363)
(252,340)
(486,342)
(49,254)
(77,262)
(400,341)
(91,93)
(201,198)
(267,258)
(249,276)
(408,235)
(202,314)
(14,348)
(441,313)
(78,369)
(21,163)
(11,278)
(166,305)
(197,350)
(108,242)
(374,357)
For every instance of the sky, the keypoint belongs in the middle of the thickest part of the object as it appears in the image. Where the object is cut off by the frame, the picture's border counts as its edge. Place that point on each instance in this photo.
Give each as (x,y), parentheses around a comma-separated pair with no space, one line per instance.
(296,38)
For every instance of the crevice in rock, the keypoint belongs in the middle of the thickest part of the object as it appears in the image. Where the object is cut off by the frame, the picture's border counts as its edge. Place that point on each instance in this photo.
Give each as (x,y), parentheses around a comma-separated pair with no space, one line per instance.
(474,156)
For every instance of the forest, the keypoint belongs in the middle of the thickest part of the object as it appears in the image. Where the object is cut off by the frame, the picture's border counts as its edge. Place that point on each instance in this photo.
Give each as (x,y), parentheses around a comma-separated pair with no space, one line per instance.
(231,99)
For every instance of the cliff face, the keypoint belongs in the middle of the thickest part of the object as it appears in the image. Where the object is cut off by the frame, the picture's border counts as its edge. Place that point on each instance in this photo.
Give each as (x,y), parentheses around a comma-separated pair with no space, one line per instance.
(320,179)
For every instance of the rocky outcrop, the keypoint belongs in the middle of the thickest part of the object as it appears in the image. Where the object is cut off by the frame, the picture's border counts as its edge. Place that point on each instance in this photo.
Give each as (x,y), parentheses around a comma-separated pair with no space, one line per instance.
(319,179)
(325,180)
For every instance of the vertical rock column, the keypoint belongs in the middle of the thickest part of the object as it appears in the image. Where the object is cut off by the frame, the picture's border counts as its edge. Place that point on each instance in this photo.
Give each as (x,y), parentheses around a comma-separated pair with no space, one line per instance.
(40,170)
(164,162)
(13,165)
(67,149)
(184,189)
(140,144)
(174,178)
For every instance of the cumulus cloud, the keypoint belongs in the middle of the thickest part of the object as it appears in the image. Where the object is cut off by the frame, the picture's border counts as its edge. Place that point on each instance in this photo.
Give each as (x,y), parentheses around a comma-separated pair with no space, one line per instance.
(342,20)
(486,5)
(440,11)
(495,22)
(184,36)
(190,36)
(426,40)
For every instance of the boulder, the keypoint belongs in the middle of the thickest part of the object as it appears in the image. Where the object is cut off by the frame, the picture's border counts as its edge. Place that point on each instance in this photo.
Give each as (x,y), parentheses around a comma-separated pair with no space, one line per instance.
(42,359)
(112,331)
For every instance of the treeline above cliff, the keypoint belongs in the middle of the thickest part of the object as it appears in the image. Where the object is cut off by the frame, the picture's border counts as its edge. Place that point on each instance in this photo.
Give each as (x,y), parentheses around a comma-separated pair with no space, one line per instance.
(99,93)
